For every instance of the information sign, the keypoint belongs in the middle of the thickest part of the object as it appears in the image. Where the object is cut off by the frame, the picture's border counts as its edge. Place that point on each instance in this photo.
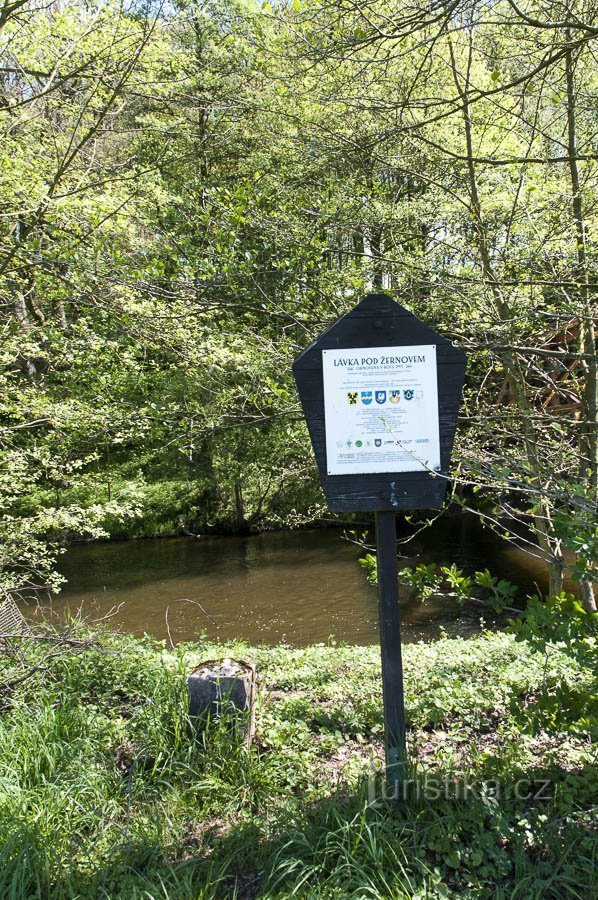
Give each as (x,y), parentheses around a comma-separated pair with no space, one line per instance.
(380,391)
(381,410)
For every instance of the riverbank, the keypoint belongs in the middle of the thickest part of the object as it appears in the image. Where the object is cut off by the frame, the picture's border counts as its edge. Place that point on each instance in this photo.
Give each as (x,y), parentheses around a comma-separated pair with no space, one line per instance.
(102,793)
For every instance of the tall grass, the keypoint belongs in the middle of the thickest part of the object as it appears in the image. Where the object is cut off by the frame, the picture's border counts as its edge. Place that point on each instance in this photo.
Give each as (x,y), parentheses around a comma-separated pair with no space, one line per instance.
(106,792)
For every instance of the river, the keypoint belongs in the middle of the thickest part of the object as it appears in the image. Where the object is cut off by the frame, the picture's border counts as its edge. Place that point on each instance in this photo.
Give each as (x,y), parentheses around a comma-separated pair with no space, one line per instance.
(298,587)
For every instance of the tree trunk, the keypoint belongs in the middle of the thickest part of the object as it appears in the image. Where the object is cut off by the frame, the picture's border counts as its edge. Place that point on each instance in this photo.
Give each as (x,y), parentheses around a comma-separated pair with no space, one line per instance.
(588,600)
(20,308)
(541,513)
(589,429)
(376,251)
(242,526)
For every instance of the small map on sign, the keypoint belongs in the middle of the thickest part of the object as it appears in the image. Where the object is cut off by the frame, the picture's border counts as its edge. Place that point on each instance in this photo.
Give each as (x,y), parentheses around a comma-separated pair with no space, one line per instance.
(381,409)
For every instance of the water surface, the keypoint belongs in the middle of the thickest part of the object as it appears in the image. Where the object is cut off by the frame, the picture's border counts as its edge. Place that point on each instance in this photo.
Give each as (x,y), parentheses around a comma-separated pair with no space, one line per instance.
(298,587)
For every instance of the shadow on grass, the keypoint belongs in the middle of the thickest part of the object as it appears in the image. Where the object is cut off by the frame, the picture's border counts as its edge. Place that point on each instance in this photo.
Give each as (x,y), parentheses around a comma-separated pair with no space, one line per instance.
(445,837)
(511,839)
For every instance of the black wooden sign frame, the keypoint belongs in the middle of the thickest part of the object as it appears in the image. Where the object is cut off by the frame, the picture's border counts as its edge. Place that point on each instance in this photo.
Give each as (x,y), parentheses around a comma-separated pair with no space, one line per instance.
(378,321)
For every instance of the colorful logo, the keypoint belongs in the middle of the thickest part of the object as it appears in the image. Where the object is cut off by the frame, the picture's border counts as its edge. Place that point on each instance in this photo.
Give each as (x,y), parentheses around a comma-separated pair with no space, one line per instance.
(380,396)
(359,443)
(378,442)
(408,394)
(366,397)
(394,396)
(352,397)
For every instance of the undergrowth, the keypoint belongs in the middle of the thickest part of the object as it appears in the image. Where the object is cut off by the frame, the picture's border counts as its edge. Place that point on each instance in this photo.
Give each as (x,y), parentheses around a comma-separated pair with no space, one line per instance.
(105,793)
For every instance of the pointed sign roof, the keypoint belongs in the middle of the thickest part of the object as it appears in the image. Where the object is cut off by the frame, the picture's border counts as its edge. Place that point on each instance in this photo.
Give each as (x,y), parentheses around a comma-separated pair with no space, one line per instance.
(379,321)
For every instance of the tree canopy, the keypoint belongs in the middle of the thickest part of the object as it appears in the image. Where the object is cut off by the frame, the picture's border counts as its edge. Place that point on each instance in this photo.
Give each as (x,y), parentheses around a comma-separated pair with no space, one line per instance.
(191,192)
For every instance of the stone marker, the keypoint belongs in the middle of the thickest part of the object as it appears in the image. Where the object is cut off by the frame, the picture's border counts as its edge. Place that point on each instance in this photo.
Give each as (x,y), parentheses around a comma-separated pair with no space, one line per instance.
(222,688)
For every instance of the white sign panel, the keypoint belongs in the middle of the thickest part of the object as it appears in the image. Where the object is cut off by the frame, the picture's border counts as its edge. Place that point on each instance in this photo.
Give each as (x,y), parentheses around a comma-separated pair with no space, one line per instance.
(381,410)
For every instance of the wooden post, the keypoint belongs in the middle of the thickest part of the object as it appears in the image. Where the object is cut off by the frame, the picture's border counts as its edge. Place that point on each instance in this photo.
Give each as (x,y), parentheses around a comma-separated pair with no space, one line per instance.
(390,643)
(380,391)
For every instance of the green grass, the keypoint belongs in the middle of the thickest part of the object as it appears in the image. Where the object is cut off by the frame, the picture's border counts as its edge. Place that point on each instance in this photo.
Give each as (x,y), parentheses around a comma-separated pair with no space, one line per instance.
(104,794)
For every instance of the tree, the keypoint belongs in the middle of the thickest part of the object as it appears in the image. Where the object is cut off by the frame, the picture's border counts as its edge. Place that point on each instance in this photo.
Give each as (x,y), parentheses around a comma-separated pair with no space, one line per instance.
(190,195)
(505,254)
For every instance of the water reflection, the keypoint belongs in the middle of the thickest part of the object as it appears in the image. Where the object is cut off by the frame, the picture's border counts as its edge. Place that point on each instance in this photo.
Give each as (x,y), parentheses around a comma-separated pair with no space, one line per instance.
(299,587)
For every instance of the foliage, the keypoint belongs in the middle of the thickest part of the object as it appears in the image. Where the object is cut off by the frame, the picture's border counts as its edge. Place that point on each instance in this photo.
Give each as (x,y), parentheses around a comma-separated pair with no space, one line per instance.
(190,193)
(103,792)
(561,622)
(428,579)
